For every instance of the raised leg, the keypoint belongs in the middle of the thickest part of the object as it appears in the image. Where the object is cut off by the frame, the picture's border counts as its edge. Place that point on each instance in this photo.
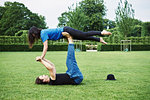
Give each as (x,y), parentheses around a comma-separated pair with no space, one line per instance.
(73,71)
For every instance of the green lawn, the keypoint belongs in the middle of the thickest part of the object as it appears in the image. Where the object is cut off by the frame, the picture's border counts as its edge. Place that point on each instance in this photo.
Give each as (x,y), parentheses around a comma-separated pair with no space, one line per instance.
(18,71)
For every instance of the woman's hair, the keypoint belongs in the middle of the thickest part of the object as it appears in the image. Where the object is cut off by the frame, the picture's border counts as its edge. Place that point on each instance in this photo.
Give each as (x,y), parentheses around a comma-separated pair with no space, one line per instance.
(34,34)
(39,81)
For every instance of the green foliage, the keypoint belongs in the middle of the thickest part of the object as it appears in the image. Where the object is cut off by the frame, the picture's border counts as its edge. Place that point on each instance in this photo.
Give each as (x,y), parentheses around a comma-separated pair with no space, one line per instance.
(146,29)
(94,10)
(139,40)
(22,33)
(13,40)
(73,18)
(111,40)
(124,18)
(63,19)
(20,43)
(25,47)
(137,28)
(2,10)
(113,31)
(77,19)
(137,22)
(110,48)
(136,32)
(14,16)
(88,15)
(35,48)
(140,47)
(109,24)
(115,37)
(117,47)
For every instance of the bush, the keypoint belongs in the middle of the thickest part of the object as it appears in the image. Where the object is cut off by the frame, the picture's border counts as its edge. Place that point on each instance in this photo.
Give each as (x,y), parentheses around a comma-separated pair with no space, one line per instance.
(110,48)
(62,47)
(21,33)
(146,29)
(35,48)
(136,31)
(16,40)
(140,47)
(117,48)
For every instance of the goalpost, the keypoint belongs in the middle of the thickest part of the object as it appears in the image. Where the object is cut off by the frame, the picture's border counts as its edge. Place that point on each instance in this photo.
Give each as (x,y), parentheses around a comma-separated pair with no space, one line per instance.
(125,45)
(78,45)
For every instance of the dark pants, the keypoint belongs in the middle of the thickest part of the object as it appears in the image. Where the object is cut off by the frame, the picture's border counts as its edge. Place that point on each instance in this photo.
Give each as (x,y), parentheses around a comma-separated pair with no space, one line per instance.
(77,34)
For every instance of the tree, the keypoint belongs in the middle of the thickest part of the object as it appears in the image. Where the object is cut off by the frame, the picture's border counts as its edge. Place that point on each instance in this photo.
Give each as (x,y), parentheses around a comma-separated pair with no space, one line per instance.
(14,16)
(136,32)
(73,18)
(2,10)
(88,15)
(77,19)
(146,29)
(124,18)
(108,24)
(94,10)
(137,28)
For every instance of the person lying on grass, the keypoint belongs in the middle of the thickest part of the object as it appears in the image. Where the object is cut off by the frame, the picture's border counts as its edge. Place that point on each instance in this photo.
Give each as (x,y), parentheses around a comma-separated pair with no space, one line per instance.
(73,75)
(58,33)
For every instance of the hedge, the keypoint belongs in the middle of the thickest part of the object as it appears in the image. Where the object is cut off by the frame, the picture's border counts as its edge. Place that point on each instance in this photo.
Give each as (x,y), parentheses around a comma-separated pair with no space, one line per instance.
(35,48)
(63,47)
(16,40)
(140,47)
(117,47)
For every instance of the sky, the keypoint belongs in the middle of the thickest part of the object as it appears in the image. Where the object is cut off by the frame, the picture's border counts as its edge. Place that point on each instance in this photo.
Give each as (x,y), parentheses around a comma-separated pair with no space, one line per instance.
(52,9)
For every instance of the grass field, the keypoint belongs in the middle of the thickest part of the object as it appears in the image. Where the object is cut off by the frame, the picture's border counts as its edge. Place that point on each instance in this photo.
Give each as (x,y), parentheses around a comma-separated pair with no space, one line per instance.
(18,71)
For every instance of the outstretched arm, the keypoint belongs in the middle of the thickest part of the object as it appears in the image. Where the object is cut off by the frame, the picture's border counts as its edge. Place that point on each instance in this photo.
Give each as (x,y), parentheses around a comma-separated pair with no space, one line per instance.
(49,66)
(45,47)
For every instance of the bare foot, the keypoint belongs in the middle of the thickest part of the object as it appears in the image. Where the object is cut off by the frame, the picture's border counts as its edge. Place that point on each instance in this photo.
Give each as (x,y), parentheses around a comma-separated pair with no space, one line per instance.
(67,35)
(102,41)
(104,32)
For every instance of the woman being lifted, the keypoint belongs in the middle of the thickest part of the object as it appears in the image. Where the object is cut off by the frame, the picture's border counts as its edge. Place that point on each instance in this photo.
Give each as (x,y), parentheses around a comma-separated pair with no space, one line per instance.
(58,33)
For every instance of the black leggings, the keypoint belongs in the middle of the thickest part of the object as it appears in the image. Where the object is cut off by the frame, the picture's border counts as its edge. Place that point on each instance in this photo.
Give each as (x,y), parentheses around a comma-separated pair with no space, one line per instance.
(77,34)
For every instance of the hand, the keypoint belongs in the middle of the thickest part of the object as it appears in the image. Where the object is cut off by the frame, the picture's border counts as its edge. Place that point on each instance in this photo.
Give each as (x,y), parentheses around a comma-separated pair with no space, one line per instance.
(38,58)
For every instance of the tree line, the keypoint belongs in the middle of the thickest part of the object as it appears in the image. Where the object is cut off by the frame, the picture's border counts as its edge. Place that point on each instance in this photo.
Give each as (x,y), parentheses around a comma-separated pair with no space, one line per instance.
(89,15)
(86,15)
(15,16)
